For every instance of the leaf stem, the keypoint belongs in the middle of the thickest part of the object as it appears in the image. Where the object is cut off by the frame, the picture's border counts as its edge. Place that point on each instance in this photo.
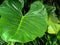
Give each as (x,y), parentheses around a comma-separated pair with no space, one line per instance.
(22,44)
(10,43)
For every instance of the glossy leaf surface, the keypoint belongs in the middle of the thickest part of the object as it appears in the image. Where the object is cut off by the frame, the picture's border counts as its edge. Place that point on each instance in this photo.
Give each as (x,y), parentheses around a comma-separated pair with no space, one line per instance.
(19,28)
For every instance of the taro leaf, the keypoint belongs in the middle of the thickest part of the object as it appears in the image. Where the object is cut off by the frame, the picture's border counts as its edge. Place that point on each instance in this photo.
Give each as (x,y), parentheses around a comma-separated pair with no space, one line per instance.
(53,27)
(18,28)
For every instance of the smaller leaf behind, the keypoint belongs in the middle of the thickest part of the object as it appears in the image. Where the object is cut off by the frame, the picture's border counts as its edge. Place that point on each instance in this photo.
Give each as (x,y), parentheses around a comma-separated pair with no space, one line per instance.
(53,26)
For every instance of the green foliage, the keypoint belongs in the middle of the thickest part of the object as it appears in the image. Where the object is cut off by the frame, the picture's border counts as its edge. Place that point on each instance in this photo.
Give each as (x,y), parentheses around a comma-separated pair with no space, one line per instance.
(28,27)
(53,26)
(30,22)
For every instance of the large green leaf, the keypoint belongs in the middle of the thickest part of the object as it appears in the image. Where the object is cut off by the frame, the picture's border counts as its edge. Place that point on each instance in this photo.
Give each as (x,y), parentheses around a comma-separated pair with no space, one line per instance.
(18,28)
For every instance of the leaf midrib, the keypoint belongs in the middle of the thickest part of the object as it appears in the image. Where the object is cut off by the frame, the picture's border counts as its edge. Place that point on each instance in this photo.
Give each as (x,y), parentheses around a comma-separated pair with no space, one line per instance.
(19,26)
